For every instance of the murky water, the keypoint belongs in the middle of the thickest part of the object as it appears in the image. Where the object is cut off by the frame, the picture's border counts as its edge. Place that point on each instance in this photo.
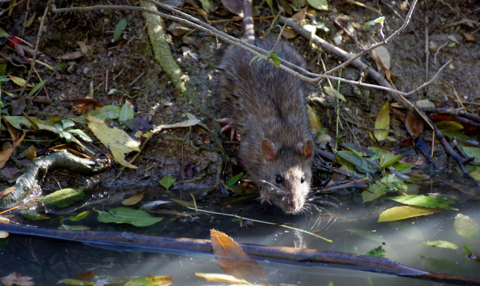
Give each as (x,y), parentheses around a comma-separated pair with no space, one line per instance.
(353,229)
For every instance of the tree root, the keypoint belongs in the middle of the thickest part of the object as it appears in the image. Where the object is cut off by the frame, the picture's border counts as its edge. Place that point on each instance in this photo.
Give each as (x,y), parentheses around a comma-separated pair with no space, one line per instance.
(27,182)
(161,48)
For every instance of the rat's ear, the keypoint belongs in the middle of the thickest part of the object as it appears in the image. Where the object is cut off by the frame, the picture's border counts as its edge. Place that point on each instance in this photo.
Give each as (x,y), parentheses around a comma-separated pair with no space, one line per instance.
(306,149)
(268,149)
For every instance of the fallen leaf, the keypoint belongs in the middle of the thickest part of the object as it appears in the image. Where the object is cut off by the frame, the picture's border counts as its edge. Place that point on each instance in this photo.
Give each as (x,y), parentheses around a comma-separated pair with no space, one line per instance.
(119,28)
(382,55)
(6,154)
(404,212)
(232,259)
(19,81)
(453,39)
(17,279)
(233,6)
(178,30)
(414,124)
(115,139)
(127,215)
(468,37)
(382,123)
(441,244)
(465,226)
(31,152)
(133,200)
(319,4)
(214,277)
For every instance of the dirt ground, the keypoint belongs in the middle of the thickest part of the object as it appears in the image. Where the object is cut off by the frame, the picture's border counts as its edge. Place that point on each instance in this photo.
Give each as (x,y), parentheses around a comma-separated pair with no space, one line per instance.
(154,97)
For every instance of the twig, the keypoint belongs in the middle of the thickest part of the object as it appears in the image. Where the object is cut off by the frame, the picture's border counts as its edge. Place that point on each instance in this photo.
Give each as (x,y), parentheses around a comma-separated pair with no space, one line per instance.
(32,64)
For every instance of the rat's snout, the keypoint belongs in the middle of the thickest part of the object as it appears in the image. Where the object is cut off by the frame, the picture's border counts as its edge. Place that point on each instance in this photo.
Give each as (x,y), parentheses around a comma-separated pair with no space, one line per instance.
(292,204)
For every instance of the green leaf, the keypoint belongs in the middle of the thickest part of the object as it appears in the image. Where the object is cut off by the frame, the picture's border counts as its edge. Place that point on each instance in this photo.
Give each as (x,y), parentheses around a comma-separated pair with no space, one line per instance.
(126,113)
(465,226)
(367,234)
(257,57)
(472,152)
(73,227)
(404,212)
(62,198)
(67,123)
(377,252)
(375,191)
(233,180)
(127,215)
(167,181)
(62,66)
(206,4)
(32,215)
(450,125)
(401,167)
(333,92)
(275,59)
(474,171)
(122,24)
(441,244)
(3,33)
(80,133)
(382,123)
(37,87)
(425,201)
(79,216)
(356,160)
(319,4)
(467,250)
(379,20)
(19,121)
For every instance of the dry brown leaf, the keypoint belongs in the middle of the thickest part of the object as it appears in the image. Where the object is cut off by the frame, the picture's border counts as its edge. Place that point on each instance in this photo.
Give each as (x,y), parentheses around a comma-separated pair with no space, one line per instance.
(178,30)
(234,6)
(382,55)
(6,154)
(84,47)
(232,259)
(414,124)
(72,56)
(300,17)
(468,37)
(133,200)
(398,113)
(6,192)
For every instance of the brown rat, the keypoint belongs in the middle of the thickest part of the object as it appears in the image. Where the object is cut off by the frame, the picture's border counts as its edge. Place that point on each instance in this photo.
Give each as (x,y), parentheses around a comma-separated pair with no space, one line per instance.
(267,108)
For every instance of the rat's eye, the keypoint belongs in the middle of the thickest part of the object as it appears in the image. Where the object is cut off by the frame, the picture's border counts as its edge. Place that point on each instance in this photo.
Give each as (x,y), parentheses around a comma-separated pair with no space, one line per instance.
(302,180)
(279,179)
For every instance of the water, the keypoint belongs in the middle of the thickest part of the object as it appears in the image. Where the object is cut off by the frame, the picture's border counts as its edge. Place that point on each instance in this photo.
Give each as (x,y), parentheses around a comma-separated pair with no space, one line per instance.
(353,228)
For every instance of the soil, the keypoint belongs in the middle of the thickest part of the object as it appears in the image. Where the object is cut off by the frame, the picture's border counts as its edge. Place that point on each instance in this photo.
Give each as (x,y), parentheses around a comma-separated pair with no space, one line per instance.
(154,97)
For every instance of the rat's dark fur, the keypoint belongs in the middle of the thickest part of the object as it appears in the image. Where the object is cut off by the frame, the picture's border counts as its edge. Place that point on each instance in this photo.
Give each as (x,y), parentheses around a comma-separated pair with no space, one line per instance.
(266,102)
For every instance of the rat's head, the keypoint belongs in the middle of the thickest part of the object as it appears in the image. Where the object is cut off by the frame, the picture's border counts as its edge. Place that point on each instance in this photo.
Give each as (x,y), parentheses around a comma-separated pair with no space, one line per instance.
(286,175)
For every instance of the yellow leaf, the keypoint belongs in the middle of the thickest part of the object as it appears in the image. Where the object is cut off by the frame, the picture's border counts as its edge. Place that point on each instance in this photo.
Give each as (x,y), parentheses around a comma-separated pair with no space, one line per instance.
(133,200)
(117,140)
(404,212)
(213,277)
(120,158)
(19,81)
(314,120)
(31,152)
(382,122)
